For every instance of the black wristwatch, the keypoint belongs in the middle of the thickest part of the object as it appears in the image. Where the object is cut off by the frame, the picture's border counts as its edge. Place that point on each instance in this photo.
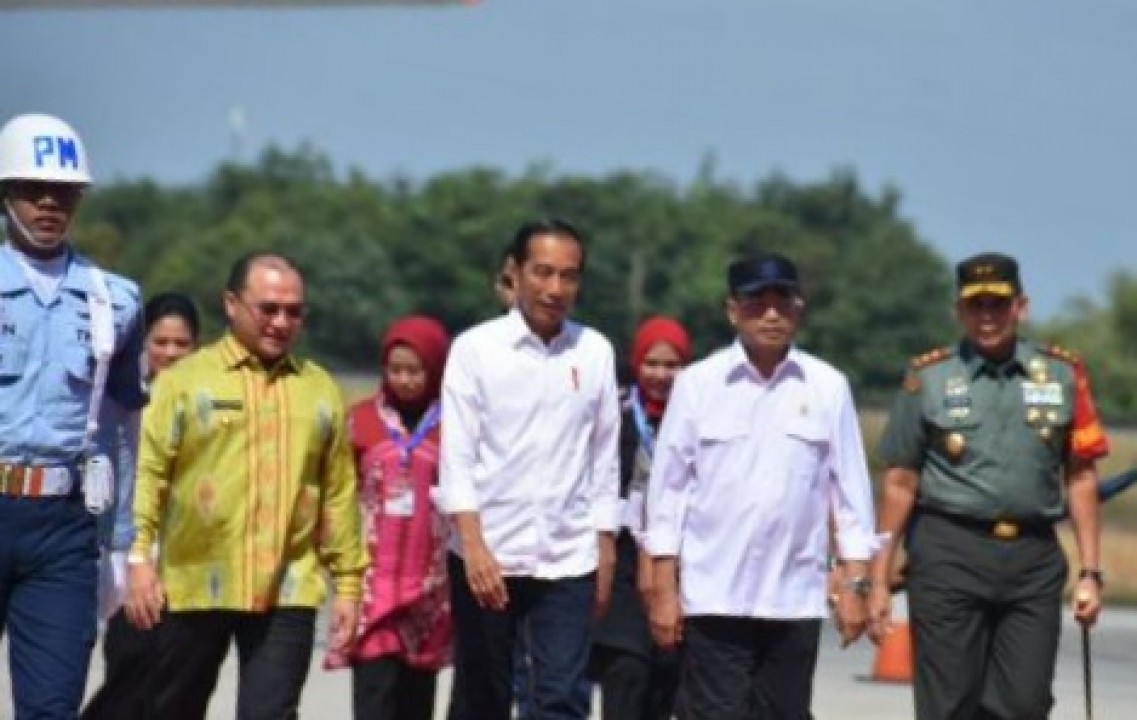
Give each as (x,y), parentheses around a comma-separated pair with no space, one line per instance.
(1093,574)
(860,586)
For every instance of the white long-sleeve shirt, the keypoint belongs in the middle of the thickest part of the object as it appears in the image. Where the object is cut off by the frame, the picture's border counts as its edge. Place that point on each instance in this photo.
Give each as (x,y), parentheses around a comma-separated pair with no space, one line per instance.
(530,436)
(745,472)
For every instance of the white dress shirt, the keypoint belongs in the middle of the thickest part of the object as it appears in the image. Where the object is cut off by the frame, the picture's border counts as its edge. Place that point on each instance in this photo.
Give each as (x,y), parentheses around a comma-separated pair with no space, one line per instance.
(746,470)
(530,438)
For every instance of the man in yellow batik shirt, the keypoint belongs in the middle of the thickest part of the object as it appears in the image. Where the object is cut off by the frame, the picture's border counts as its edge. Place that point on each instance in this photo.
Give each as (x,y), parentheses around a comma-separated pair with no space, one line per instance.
(247,484)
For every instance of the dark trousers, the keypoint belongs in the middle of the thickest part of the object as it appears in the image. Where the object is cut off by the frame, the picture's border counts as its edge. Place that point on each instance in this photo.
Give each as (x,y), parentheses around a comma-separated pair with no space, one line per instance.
(985,616)
(129,654)
(48,602)
(735,668)
(558,615)
(274,650)
(386,688)
(634,686)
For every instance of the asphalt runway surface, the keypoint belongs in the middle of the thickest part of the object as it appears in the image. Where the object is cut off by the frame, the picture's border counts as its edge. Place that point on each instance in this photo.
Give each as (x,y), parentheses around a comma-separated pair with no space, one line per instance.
(842,689)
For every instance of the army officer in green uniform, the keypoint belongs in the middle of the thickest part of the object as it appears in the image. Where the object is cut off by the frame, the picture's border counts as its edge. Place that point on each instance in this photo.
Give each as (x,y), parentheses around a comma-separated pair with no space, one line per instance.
(984,441)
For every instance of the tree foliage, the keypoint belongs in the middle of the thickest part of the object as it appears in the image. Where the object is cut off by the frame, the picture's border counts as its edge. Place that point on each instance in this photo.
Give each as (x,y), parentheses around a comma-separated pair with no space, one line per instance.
(373,250)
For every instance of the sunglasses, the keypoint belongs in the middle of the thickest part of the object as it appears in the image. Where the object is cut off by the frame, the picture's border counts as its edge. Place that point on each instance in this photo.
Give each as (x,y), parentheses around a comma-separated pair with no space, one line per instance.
(988,303)
(269,310)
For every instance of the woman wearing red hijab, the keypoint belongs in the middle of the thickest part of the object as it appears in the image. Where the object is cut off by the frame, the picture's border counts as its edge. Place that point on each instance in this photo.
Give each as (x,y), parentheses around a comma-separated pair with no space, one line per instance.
(404,630)
(638,680)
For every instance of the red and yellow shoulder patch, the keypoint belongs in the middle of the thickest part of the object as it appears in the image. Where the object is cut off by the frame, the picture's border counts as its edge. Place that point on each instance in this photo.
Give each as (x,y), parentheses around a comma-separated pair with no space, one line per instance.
(930,358)
(912,382)
(1060,353)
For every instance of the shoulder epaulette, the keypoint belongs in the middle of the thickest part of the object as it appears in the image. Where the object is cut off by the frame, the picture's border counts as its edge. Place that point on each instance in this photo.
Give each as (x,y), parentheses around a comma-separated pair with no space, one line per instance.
(1061,353)
(931,358)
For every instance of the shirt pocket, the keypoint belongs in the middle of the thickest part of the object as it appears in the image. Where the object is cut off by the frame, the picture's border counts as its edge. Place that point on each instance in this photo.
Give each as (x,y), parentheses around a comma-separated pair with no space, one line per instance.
(721,450)
(13,361)
(955,439)
(78,376)
(806,443)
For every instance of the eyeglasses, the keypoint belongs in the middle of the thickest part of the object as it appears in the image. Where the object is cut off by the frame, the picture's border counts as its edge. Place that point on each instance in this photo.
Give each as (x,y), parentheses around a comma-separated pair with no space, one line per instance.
(781,303)
(269,310)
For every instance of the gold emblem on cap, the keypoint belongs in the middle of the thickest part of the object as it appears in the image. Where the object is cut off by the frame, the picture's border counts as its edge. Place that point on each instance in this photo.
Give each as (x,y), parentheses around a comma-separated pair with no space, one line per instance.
(955,444)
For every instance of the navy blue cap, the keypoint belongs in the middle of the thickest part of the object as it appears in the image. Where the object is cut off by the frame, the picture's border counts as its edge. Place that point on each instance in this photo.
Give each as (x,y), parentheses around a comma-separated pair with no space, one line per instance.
(755,274)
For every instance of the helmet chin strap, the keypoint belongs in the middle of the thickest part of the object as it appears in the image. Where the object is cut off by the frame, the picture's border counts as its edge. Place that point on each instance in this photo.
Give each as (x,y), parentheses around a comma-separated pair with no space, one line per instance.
(27,235)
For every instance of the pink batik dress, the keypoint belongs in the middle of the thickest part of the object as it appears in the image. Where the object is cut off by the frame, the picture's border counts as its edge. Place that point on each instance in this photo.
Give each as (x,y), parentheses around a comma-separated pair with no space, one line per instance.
(405,610)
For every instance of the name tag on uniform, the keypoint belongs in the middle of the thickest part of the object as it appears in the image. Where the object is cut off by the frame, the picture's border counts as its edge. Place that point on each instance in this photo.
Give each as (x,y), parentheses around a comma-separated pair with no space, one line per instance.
(1049,393)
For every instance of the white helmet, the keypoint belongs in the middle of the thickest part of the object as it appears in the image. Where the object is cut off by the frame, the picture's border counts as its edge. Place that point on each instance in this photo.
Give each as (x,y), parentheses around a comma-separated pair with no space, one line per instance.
(42,148)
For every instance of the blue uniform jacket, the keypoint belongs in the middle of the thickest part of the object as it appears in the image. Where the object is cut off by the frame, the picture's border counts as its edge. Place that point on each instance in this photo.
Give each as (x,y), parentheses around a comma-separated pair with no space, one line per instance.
(47,369)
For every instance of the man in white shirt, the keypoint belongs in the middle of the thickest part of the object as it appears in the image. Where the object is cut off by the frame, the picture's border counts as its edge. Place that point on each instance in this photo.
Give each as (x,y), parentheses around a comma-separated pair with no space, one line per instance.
(758,448)
(530,478)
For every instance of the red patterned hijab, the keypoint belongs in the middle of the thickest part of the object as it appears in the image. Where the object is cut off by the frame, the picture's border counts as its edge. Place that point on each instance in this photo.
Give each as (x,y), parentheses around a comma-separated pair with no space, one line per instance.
(656,330)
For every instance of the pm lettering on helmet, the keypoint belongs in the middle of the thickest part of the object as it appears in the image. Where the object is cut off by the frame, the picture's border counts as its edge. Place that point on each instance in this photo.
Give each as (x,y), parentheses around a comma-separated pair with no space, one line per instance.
(64,149)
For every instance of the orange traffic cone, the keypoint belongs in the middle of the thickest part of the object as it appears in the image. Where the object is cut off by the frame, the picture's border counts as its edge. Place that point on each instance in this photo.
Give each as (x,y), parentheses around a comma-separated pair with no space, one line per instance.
(893,661)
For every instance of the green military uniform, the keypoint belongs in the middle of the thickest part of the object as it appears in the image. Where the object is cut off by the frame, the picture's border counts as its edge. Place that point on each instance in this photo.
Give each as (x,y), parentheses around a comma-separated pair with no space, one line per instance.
(988,440)
(985,572)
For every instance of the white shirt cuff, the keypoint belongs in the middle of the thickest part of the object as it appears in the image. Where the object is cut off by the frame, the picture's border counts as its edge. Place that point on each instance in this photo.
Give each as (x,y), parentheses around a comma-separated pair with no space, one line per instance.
(661,544)
(608,515)
(453,500)
(857,544)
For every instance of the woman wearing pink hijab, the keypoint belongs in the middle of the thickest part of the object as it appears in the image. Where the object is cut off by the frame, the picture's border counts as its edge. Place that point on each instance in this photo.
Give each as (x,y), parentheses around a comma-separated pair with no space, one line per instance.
(405,630)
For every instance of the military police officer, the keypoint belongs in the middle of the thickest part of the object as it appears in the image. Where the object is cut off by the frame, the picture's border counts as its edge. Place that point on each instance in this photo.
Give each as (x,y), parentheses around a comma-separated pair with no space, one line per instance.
(69,334)
(977,447)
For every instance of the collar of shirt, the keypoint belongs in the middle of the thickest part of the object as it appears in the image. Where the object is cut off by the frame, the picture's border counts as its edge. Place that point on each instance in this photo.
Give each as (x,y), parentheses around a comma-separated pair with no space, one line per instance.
(978,365)
(14,278)
(740,367)
(519,333)
(236,355)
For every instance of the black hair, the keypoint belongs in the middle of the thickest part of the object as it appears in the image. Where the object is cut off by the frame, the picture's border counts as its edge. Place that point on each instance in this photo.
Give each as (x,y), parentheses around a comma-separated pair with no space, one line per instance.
(171,304)
(519,247)
(239,272)
(501,277)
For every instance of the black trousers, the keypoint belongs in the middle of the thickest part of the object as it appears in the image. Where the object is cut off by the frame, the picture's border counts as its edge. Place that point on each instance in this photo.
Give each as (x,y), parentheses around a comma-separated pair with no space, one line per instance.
(129,655)
(386,688)
(735,668)
(634,686)
(985,616)
(274,651)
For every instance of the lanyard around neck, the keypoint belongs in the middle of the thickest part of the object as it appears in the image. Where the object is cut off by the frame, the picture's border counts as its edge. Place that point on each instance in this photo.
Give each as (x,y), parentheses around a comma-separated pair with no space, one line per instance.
(643,427)
(408,443)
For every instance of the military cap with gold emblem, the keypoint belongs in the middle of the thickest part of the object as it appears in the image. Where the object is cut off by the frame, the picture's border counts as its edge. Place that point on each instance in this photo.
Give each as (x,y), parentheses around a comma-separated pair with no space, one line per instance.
(988,274)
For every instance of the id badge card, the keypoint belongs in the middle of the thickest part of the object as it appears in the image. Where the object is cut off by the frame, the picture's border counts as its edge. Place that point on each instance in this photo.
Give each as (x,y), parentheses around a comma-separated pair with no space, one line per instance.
(400,502)
(98,484)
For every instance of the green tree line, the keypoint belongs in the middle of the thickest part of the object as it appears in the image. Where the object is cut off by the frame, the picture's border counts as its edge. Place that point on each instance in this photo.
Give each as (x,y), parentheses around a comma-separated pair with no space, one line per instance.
(376,249)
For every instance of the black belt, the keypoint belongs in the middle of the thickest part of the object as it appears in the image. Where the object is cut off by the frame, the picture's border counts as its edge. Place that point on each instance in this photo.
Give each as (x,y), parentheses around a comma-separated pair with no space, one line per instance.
(1003,528)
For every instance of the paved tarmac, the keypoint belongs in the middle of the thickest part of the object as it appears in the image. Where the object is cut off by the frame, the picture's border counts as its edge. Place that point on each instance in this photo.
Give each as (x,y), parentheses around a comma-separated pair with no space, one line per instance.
(841,690)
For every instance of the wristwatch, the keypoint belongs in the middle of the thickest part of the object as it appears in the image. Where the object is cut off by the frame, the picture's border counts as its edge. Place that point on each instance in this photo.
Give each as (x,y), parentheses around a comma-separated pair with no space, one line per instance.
(860,585)
(1093,574)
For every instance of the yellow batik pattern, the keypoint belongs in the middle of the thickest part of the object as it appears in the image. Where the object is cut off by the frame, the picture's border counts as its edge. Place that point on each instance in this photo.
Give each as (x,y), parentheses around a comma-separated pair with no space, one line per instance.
(247,483)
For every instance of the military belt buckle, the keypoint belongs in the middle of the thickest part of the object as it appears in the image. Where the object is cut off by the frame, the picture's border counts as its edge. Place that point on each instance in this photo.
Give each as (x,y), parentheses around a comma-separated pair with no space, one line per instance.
(1005,530)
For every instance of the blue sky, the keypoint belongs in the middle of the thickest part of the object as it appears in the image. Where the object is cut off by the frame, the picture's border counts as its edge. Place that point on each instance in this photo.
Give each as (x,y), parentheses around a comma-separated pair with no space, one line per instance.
(1008,125)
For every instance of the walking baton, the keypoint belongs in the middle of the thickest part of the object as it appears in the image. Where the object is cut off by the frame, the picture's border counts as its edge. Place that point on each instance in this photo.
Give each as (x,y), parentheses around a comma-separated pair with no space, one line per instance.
(1087,672)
